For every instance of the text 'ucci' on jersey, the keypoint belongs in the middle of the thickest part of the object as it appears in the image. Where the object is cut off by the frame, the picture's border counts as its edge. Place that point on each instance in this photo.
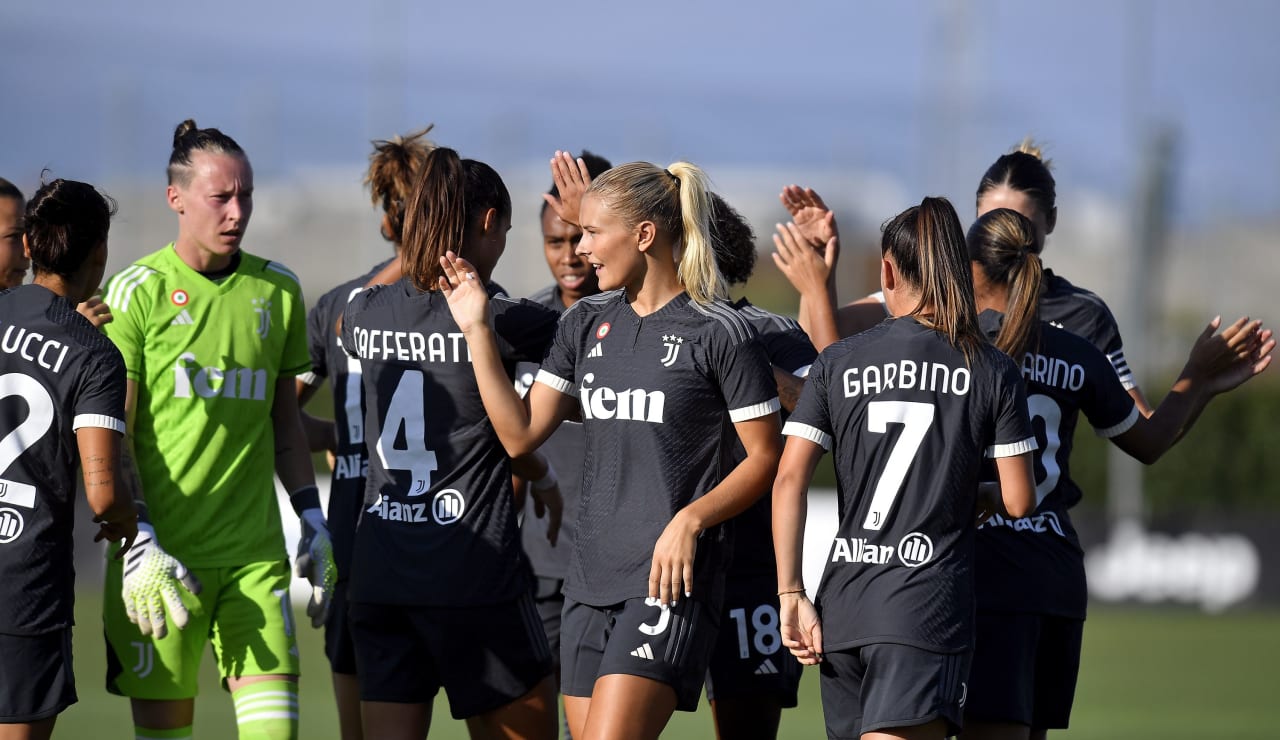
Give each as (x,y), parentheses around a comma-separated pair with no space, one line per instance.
(438,526)
(659,394)
(910,419)
(57,375)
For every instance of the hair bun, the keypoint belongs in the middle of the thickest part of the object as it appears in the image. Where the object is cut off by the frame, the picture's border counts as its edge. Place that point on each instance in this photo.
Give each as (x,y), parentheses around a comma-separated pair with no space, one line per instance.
(183,129)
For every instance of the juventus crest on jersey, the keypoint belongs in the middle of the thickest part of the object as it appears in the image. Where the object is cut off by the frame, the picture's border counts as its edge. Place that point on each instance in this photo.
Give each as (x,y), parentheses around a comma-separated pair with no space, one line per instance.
(658,394)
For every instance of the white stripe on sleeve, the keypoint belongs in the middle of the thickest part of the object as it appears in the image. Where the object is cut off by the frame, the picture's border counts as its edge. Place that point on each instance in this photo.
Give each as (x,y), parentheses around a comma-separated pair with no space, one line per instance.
(1122,427)
(813,434)
(97,420)
(555,381)
(755,411)
(1013,448)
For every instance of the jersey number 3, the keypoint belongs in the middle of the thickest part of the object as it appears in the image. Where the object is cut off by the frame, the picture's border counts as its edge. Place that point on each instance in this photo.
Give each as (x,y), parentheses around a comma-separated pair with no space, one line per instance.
(405,413)
(915,418)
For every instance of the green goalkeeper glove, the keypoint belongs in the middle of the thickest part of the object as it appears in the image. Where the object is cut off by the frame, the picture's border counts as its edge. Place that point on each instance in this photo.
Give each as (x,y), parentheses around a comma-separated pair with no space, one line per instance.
(148,589)
(315,563)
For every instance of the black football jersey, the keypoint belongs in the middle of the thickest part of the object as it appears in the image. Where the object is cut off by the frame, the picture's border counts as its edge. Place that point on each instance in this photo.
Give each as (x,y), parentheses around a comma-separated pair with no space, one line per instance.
(1035,564)
(657,394)
(329,361)
(789,349)
(564,450)
(1083,313)
(911,422)
(57,374)
(438,526)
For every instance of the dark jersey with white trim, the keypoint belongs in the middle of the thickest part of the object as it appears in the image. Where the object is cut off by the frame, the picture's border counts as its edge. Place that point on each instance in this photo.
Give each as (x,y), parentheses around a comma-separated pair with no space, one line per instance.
(564,450)
(438,526)
(350,463)
(789,349)
(57,374)
(658,395)
(1083,313)
(911,422)
(1035,564)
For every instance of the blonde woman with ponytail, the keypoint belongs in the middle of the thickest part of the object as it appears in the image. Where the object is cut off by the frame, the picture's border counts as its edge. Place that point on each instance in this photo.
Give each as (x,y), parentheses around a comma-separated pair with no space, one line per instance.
(658,367)
(1030,580)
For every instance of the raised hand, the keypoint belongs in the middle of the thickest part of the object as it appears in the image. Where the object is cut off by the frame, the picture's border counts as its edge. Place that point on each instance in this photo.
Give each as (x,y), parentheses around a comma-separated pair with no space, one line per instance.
(1226,360)
(571,178)
(817,222)
(468,300)
(808,270)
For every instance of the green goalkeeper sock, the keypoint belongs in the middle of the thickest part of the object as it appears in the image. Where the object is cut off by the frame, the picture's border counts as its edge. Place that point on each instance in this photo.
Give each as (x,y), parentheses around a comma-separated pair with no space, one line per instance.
(146,733)
(267,710)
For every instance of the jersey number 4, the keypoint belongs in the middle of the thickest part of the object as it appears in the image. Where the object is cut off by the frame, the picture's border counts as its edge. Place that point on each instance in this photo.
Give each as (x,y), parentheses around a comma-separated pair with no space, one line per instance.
(915,418)
(405,416)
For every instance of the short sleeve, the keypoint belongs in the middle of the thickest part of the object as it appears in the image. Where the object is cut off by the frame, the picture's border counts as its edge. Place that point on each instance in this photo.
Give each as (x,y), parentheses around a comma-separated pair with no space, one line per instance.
(100,399)
(560,362)
(130,312)
(524,329)
(791,350)
(1108,406)
(296,359)
(350,318)
(1012,434)
(742,370)
(317,339)
(812,417)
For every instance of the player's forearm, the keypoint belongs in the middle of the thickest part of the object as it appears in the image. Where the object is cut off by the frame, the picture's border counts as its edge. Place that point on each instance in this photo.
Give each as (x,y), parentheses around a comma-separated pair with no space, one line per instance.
(790,507)
(100,465)
(746,483)
(321,434)
(292,453)
(506,410)
(1171,419)
(818,319)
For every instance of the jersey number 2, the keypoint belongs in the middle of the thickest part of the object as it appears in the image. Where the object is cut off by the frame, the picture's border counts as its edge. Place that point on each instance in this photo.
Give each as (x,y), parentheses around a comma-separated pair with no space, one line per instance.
(915,418)
(405,412)
(31,430)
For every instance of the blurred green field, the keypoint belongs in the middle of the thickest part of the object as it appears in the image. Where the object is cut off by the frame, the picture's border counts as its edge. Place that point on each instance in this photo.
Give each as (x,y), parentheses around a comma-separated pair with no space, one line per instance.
(1147,673)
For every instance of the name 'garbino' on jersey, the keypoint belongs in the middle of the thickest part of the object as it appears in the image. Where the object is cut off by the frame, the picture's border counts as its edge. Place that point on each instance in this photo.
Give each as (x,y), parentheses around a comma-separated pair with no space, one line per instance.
(906,375)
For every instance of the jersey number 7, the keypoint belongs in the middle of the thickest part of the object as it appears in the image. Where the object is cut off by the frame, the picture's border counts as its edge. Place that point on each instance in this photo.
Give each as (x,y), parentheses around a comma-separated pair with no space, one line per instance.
(406,412)
(915,418)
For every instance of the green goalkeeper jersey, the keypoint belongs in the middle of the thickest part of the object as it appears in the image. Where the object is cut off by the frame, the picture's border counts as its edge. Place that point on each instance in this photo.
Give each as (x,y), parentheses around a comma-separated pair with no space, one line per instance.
(206,357)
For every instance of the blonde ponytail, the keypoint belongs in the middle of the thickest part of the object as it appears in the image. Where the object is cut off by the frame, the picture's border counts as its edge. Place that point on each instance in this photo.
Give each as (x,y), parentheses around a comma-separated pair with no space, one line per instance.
(678,201)
(697,260)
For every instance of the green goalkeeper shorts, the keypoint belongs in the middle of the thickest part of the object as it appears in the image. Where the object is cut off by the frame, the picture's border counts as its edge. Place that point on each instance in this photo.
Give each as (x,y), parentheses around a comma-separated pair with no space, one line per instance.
(243,611)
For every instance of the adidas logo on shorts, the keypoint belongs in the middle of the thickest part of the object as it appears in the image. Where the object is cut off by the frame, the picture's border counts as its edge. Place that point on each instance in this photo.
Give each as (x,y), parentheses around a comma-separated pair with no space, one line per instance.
(644,651)
(767,668)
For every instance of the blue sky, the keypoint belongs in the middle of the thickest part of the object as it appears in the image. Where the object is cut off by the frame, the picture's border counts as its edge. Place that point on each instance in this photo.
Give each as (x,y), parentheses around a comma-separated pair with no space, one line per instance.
(927,92)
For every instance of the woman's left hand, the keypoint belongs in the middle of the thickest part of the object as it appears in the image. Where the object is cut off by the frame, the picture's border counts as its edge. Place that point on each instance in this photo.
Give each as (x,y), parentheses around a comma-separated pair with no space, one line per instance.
(671,574)
(462,286)
(97,312)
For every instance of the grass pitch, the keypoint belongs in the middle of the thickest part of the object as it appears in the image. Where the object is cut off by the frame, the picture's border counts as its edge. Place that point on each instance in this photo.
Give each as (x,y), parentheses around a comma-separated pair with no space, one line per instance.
(1147,673)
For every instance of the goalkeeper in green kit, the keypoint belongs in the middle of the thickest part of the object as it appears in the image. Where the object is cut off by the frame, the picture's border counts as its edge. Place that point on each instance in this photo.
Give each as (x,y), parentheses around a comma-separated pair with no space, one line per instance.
(212,338)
